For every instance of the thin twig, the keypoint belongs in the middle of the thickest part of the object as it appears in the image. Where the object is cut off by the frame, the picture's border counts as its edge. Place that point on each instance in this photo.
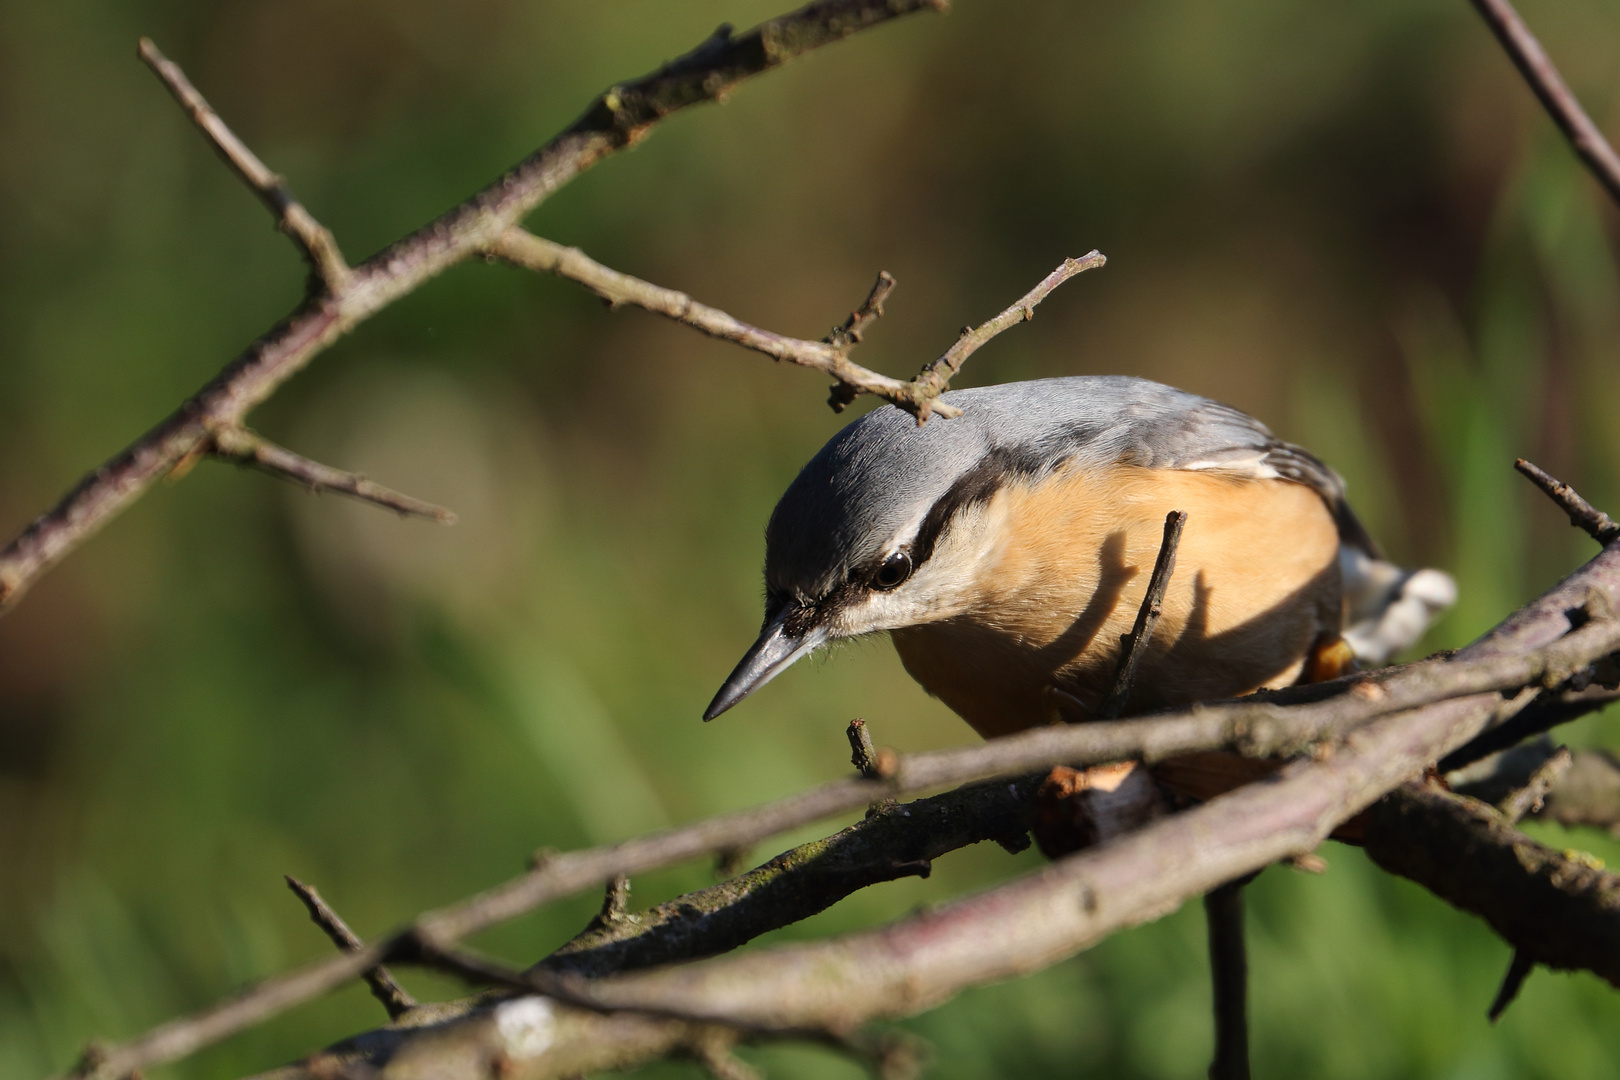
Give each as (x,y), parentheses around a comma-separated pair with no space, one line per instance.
(522,248)
(1229,976)
(937,375)
(1134,644)
(920,397)
(1582,514)
(1519,969)
(311,236)
(1549,86)
(248,447)
(394,997)
(1529,798)
(615,902)
(849,335)
(617,118)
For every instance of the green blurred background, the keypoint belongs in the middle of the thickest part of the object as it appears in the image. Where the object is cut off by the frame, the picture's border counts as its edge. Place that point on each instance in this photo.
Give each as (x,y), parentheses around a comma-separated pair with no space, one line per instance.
(1348,219)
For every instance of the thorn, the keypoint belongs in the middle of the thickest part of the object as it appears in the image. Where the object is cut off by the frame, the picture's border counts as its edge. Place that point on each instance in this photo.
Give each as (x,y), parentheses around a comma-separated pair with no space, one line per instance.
(1518,970)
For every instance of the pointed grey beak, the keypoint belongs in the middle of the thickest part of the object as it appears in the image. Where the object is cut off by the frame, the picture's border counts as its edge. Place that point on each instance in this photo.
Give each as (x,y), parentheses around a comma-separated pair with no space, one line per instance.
(771,655)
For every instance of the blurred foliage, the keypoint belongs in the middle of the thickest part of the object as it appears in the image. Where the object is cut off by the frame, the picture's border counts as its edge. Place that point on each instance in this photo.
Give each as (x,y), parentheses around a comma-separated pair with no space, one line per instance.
(1349,220)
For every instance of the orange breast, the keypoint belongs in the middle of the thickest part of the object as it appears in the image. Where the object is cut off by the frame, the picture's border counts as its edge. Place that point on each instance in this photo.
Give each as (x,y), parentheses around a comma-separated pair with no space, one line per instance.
(1256,581)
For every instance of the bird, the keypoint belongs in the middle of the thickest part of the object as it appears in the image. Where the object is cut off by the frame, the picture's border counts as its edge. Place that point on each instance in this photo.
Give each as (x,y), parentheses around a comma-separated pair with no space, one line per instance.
(1006,551)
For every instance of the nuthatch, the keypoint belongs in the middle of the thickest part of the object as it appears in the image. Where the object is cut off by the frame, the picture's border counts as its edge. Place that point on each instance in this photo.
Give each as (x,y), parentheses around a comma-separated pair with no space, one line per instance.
(1006,551)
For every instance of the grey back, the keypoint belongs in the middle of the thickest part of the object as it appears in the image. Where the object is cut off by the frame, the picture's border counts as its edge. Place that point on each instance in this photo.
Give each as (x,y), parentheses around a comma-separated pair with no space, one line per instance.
(883,471)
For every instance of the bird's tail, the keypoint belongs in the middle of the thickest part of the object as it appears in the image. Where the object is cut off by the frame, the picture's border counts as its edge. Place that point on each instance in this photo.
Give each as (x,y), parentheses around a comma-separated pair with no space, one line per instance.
(1387,608)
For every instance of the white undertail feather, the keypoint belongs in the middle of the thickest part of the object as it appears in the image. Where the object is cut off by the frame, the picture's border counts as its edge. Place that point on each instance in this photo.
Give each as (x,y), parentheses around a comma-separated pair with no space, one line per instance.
(1388,608)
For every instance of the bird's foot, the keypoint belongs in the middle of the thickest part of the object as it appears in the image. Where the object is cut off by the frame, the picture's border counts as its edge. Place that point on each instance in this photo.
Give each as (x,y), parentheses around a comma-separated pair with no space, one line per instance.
(1330,658)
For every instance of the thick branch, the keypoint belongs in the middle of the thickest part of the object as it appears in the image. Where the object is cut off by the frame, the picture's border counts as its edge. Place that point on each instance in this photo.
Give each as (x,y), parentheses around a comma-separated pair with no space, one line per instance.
(1555,96)
(1561,911)
(916,963)
(893,841)
(394,997)
(311,236)
(247,447)
(617,118)
(1582,514)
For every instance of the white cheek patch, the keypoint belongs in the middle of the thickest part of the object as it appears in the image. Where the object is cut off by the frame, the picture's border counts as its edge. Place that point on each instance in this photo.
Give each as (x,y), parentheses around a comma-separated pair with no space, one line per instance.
(944,585)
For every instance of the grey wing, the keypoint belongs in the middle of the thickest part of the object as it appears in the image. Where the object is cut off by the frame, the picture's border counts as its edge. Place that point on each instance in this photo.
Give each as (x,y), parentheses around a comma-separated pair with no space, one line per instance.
(1220,438)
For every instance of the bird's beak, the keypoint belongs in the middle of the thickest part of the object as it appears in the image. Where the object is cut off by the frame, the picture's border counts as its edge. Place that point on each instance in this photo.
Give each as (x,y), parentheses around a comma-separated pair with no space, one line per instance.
(771,655)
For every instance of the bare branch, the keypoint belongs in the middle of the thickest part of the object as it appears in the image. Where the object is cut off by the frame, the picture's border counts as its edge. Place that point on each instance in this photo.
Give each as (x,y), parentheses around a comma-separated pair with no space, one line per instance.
(394,997)
(917,962)
(920,397)
(936,376)
(1555,96)
(1530,798)
(247,447)
(1133,644)
(1541,629)
(1560,909)
(892,842)
(1229,974)
(850,334)
(522,248)
(311,236)
(1249,727)
(1582,514)
(619,117)
(1588,793)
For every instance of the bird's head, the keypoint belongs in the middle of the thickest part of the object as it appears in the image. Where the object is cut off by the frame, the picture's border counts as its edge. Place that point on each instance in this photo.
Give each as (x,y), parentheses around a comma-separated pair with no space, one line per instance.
(885,528)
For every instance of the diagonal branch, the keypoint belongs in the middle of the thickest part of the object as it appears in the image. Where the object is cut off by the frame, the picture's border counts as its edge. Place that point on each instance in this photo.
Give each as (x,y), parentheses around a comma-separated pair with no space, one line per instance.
(617,118)
(1555,96)
(394,997)
(920,397)
(837,984)
(247,447)
(893,841)
(1134,644)
(1237,725)
(1582,514)
(311,236)
(936,376)
(1559,909)
(1251,727)
(522,248)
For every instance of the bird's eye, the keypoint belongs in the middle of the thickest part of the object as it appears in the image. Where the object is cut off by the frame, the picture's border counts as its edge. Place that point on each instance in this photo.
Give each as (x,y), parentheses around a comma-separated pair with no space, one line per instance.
(895,569)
